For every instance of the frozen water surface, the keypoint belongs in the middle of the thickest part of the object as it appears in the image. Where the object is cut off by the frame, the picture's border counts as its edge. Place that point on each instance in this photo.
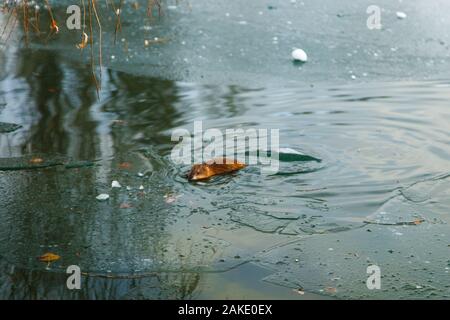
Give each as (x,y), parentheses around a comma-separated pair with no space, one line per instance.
(368,114)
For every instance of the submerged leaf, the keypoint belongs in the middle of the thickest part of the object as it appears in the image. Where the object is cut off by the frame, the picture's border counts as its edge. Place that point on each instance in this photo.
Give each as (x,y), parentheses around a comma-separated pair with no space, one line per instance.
(170,198)
(214,167)
(49,257)
(124,165)
(331,290)
(36,160)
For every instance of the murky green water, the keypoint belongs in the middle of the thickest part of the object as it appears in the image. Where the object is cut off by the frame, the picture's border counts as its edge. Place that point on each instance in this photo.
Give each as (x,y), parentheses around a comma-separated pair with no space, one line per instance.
(379,194)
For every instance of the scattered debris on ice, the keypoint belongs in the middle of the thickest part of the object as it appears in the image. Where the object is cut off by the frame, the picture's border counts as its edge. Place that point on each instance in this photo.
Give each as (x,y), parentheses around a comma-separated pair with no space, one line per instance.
(115,184)
(102,197)
(299,55)
(401,15)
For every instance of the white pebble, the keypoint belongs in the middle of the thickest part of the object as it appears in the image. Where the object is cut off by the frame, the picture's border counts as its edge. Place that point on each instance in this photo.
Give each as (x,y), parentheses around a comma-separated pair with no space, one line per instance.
(401,15)
(141,188)
(115,184)
(299,55)
(102,197)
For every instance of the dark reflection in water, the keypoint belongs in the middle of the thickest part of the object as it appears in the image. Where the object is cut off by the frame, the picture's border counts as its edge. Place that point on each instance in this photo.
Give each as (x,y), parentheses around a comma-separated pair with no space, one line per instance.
(52,209)
(45,79)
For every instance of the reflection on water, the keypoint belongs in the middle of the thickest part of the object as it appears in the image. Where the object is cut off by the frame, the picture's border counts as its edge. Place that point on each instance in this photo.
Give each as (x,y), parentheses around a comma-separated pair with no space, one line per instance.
(384,151)
(124,136)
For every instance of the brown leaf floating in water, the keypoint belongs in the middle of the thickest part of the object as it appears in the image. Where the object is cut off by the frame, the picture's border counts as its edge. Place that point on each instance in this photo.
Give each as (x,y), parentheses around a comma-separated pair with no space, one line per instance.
(214,167)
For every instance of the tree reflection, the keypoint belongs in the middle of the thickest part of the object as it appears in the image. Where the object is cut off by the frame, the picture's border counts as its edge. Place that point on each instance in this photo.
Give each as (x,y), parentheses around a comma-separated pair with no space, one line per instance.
(55,209)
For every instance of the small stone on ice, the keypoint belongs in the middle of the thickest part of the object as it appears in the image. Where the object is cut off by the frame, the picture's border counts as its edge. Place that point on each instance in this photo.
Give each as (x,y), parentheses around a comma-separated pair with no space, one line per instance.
(102,197)
(115,184)
(401,15)
(299,55)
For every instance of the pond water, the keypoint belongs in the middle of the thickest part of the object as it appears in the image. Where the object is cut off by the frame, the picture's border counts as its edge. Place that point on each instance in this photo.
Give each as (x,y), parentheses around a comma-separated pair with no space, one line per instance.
(370,110)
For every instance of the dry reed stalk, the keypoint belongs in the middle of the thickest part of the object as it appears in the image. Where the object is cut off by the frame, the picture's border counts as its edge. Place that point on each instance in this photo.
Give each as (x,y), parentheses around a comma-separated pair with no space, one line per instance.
(23,6)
